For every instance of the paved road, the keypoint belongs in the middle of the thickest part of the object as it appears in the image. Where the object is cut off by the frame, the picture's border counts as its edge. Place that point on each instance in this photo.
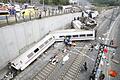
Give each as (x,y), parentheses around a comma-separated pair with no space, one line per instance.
(103,31)
(115,36)
(117,56)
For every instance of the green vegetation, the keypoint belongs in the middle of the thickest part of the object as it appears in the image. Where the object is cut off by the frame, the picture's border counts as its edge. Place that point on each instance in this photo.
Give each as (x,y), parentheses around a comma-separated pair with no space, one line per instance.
(55,2)
(21,1)
(49,2)
(4,1)
(106,2)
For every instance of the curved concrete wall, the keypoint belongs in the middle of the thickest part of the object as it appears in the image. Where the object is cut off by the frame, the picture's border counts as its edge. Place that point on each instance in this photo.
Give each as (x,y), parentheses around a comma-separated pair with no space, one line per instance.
(15,38)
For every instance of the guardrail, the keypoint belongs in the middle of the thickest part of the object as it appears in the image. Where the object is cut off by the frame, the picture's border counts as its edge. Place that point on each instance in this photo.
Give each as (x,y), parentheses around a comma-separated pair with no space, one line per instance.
(22,17)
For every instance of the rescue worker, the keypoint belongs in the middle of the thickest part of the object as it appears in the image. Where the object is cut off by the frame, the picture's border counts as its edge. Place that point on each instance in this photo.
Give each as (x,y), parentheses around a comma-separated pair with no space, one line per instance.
(65,41)
(113,54)
(82,14)
(102,76)
(111,42)
(92,77)
(74,18)
(85,66)
(78,18)
(92,48)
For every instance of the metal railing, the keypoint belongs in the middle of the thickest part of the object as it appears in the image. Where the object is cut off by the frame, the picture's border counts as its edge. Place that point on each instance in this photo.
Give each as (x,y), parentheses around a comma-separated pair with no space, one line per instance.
(38,14)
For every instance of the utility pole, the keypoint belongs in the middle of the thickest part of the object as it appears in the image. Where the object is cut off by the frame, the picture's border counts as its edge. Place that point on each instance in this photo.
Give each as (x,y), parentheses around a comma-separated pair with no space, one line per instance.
(43,4)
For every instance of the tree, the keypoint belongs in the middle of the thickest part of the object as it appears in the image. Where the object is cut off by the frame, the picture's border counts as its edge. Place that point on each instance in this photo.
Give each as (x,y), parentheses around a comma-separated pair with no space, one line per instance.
(55,2)
(108,2)
(22,1)
(4,1)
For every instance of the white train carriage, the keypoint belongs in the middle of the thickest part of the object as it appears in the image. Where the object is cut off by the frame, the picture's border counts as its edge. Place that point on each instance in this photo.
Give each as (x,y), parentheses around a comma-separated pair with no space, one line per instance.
(21,62)
(74,34)
(66,7)
(77,24)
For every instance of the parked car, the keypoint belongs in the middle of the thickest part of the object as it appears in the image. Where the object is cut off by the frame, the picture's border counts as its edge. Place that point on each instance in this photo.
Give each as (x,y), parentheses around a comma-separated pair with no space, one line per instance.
(29,11)
(3,9)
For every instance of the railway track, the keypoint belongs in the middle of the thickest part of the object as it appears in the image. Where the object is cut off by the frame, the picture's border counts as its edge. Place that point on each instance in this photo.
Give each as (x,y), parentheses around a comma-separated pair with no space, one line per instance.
(40,63)
(42,75)
(72,70)
(50,68)
(47,70)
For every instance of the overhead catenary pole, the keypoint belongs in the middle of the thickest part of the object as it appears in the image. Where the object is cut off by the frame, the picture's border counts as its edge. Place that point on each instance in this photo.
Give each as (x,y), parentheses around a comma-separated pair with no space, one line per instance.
(43,4)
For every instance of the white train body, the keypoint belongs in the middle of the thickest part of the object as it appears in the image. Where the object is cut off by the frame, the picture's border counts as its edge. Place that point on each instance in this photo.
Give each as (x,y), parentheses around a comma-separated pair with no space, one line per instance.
(74,34)
(21,62)
(77,24)
(94,14)
(25,59)
(67,7)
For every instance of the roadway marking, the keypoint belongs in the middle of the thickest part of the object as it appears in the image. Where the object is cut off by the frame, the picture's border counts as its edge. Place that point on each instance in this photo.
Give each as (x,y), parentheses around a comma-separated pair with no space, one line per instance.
(83,48)
(106,41)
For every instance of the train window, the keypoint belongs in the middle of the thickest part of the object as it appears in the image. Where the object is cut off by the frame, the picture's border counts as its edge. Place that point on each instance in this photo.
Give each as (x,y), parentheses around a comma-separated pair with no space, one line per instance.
(68,36)
(29,55)
(50,39)
(13,64)
(89,34)
(36,50)
(61,36)
(82,35)
(21,62)
(75,35)
(41,46)
(46,42)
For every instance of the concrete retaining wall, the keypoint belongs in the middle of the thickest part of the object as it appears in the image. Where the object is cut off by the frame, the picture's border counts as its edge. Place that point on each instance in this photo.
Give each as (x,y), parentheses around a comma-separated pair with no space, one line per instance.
(14,38)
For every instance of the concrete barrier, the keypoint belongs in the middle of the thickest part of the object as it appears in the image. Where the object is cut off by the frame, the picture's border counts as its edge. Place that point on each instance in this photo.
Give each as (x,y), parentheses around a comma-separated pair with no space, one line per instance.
(15,39)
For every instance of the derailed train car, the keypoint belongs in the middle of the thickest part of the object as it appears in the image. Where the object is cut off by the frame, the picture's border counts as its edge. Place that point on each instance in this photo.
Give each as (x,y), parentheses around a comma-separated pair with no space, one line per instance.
(21,62)
(25,59)
(74,34)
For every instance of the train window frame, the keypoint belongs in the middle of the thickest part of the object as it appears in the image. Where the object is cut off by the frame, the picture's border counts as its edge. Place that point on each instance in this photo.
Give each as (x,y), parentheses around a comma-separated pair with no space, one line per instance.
(82,35)
(68,36)
(89,34)
(41,46)
(61,36)
(46,42)
(75,36)
(21,62)
(50,38)
(30,55)
(36,50)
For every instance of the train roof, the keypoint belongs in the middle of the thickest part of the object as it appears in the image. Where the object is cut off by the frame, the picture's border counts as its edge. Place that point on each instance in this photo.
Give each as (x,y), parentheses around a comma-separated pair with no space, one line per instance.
(71,30)
(30,50)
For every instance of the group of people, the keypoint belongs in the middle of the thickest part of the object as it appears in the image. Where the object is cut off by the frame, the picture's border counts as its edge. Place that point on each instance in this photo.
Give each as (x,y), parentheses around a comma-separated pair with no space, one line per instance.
(101,76)
(68,42)
(54,59)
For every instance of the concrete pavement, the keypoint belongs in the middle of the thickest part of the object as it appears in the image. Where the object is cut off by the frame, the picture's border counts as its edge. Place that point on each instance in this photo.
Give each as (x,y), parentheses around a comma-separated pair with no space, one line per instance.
(110,35)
